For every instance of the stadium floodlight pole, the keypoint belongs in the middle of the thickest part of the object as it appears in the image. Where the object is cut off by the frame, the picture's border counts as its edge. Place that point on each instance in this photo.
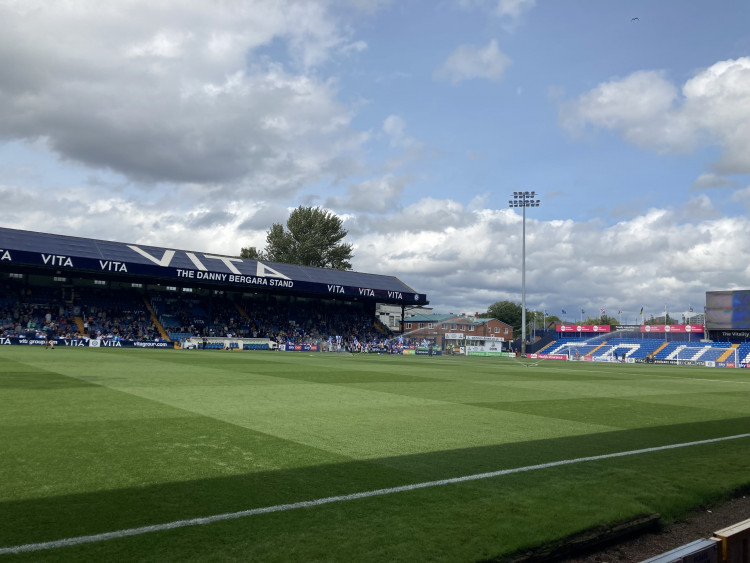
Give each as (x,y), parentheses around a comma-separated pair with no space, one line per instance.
(523,200)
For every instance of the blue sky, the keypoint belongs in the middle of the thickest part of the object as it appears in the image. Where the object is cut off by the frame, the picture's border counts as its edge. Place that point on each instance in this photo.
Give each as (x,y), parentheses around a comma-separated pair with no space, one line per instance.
(196,125)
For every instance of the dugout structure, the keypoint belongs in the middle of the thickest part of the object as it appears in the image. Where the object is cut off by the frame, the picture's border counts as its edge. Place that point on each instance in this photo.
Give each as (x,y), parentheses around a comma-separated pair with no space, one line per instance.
(32,260)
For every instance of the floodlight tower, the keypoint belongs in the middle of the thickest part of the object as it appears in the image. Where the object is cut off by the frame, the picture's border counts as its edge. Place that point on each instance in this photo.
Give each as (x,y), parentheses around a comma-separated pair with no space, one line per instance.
(523,200)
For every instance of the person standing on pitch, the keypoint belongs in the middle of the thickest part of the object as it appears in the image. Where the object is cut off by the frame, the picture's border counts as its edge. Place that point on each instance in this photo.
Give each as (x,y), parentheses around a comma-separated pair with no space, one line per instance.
(50,336)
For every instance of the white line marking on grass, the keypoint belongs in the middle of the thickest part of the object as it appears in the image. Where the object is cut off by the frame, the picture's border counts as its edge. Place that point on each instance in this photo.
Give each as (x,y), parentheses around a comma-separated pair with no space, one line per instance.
(716,380)
(341,498)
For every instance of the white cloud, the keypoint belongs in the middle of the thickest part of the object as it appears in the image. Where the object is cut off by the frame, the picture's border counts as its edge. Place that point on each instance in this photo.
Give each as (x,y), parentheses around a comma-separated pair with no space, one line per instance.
(640,107)
(648,111)
(501,8)
(181,93)
(464,257)
(395,127)
(743,197)
(709,180)
(372,196)
(513,8)
(204,123)
(468,259)
(718,100)
(469,61)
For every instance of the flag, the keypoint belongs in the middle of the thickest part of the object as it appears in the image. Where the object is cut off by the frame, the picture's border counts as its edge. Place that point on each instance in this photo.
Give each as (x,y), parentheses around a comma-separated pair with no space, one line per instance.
(619,311)
(583,312)
(690,309)
(601,311)
(564,312)
(641,311)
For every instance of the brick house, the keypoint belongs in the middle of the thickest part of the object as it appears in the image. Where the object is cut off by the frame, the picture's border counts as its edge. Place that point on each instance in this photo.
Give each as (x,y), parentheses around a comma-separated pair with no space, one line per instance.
(434,327)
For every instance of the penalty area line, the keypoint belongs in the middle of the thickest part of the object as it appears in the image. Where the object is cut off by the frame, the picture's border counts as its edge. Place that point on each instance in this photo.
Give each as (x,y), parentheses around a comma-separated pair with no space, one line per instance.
(94,538)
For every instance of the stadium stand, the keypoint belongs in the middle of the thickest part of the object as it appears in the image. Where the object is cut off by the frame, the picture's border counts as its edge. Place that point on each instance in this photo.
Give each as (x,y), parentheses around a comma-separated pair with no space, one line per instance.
(103,289)
(743,352)
(125,315)
(602,347)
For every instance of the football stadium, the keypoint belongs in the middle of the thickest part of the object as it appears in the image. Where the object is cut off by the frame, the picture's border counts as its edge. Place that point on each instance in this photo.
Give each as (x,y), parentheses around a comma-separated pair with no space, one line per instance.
(168,404)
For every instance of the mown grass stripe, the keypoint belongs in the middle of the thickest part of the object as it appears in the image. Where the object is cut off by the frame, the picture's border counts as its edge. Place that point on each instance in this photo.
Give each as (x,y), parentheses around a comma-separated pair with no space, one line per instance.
(94,538)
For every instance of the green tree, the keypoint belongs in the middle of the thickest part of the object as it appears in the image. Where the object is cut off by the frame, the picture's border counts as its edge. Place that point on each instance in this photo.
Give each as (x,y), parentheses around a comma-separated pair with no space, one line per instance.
(252,253)
(603,320)
(659,321)
(507,312)
(314,238)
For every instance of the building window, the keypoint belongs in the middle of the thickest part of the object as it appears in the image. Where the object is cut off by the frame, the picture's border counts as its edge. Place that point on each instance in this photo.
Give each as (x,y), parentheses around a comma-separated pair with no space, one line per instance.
(16,276)
(505,330)
(443,326)
(471,328)
(421,325)
(430,325)
(408,325)
(100,282)
(453,327)
(497,329)
(136,285)
(187,289)
(171,288)
(59,279)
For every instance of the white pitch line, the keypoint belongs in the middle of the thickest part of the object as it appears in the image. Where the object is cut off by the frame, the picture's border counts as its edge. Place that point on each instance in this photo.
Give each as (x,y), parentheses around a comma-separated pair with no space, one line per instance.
(341,498)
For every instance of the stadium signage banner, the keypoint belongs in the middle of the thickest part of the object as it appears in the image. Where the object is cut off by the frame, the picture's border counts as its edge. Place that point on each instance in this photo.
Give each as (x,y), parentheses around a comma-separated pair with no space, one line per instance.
(113,258)
(422,351)
(11,341)
(490,347)
(583,328)
(733,334)
(731,365)
(681,329)
(547,356)
(301,348)
(92,343)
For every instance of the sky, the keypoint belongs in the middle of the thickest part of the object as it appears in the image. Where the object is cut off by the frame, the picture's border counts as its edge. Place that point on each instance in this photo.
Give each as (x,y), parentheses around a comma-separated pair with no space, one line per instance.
(196,125)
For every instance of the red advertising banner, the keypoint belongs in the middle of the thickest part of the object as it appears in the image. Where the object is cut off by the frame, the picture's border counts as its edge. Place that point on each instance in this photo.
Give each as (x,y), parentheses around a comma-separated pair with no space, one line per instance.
(582,328)
(548,356)
(682,329)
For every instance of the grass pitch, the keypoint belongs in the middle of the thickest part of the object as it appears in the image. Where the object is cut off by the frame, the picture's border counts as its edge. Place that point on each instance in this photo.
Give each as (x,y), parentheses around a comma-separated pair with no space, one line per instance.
(106,440)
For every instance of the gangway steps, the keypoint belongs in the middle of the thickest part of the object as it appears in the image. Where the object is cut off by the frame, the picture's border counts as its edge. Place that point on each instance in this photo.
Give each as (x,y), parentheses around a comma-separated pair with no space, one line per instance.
(155,320)
(547,346)
(659,349)
(241,311)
